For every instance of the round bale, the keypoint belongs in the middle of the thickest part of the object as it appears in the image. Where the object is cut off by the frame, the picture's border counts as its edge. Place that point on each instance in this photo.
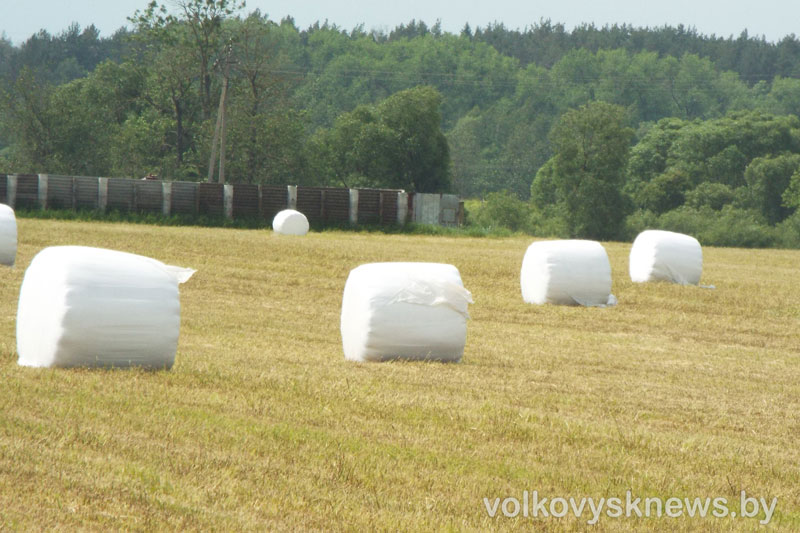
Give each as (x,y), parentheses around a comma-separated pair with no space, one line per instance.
(91,307)
(566,272)
(290,222)
(413,311)
(658,255)
(8,236)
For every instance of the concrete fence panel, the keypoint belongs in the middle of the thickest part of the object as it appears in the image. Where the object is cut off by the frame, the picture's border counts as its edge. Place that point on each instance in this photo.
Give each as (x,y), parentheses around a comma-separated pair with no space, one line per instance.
(245,201)
(120,195)
(211,199)
(148,196)
(387,207)
(59,192)
(324,204)
(368,206)
(27,193)
(426,208)
(337,205)
(87,192)
(274,199)
(448,209)
(184,198)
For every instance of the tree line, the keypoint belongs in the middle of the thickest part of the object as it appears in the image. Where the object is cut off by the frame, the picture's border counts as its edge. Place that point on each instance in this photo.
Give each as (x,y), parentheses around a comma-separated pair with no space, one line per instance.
(703,126)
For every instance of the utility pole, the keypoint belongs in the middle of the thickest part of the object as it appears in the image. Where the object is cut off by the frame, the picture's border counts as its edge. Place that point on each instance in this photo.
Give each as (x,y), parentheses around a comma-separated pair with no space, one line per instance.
(219,128)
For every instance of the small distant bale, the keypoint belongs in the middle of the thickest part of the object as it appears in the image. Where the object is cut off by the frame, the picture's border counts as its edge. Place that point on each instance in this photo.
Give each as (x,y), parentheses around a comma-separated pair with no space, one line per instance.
(658,255)
(92,307)
(290,222)
(412,311)
(8,236)
(566,272)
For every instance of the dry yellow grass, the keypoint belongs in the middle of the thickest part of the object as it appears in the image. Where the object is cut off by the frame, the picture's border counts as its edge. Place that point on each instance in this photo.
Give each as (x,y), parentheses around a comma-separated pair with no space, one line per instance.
(262,425)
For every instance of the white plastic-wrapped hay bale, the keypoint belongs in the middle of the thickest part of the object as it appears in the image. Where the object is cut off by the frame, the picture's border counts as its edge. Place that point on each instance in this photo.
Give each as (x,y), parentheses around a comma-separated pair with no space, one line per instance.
(658,255)
(566,272)
(81,306)
(8,236)
(290,222)
(415,311)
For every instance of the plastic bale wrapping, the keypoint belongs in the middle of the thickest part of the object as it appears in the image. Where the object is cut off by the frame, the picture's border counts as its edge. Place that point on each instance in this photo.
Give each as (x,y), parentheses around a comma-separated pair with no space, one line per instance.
(8,236)
(414,311)
(567,272)
(91,307)
(290,222)
(658,255)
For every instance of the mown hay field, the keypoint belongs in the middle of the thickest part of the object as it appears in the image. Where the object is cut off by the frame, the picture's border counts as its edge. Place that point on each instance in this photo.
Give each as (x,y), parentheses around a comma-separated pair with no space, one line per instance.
(262,424)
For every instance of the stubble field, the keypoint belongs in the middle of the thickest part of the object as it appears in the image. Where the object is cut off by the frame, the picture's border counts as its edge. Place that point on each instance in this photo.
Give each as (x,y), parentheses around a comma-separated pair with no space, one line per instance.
(261,424)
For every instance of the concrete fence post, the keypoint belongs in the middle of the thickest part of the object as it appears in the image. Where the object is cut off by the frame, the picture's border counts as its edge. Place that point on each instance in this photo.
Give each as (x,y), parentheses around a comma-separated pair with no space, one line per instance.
(227,200)
(402,207)
(166,198)
(42,193)
(291,196)
(11,190)
(354,206)
(102,194)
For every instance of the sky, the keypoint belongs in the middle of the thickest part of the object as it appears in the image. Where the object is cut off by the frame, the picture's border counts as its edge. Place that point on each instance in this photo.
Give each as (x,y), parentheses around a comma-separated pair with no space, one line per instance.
(774,19)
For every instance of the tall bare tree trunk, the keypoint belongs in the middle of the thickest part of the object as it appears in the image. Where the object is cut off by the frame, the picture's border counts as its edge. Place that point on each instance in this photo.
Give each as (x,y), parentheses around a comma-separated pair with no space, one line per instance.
(213,159)
(219,137)
(222,132)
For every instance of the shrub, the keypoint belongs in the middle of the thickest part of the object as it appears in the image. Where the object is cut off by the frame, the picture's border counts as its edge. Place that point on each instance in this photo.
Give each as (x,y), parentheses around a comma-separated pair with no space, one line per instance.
(788,232)
(727,227)
(502,210)
(639,221)
(547,223)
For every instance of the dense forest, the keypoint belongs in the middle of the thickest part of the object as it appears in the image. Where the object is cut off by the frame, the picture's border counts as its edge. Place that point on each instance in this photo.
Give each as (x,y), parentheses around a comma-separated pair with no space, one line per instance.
(594,132)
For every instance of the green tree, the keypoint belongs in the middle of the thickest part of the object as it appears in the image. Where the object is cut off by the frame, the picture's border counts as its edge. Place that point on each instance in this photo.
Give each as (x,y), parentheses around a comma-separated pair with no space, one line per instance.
(791,196)
(713,195)
(265,135)
(503,209)
(664,193)
(727,166)
(360,150)
(768,178)
(29,119)
(397,143)
(784,97)
(716,150)
(423,156)
(468,163)
(650,87)
(543,188)
(692,87)
(591,146)
(170,89)
(649,158)
(202,39)
(168,75)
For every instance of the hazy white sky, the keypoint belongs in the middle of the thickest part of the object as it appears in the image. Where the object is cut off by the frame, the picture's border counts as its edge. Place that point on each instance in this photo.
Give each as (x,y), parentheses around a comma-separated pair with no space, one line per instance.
(19,19)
